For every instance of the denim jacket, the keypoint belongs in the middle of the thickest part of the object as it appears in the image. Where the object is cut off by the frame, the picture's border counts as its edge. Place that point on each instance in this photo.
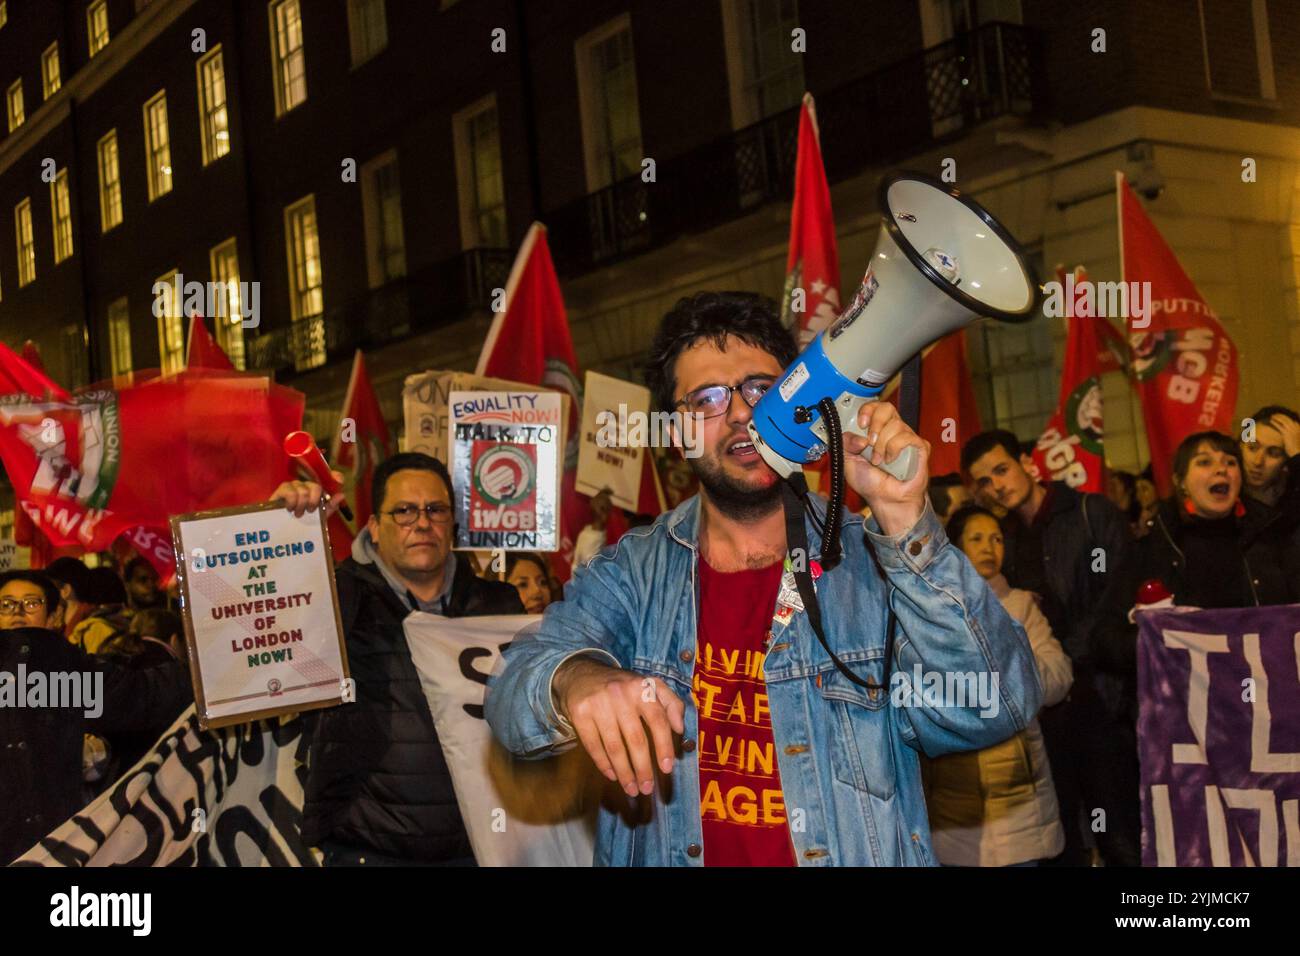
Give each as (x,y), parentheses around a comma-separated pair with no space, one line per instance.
(847,755)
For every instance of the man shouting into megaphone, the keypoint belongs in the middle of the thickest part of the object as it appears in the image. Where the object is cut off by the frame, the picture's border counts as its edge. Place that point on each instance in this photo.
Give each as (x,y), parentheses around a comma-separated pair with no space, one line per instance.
(684,661)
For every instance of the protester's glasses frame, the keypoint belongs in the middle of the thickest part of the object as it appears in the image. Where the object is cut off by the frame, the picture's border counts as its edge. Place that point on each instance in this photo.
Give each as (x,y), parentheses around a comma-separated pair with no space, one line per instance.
(714,400)
(10,606)
(407,515)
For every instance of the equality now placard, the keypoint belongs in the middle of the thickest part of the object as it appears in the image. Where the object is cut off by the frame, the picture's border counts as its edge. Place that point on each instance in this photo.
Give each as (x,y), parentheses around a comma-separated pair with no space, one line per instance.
(504,455)
(1219,736)
(261,613)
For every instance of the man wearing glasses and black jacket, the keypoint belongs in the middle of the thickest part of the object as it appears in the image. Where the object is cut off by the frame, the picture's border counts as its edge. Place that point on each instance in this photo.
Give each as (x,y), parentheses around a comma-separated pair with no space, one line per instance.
(378,789)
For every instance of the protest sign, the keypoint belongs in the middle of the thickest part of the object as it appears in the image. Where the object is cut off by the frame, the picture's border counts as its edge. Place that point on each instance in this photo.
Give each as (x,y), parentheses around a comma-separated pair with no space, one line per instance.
(517,812)
(424,407)
(615,434)
(261,612)
(10,558)
(1219,736)
(504,456)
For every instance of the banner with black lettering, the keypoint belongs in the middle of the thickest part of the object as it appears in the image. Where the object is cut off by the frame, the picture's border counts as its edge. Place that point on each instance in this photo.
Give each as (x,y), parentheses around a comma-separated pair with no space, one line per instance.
(1219,736)
(233,796)
(230,796)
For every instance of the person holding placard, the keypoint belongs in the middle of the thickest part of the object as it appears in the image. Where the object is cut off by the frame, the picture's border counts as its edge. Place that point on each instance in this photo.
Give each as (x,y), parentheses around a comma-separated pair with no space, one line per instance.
(378,791)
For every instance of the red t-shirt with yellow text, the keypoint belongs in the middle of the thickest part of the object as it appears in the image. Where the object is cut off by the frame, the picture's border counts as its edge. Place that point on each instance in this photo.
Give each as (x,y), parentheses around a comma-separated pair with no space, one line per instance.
(741,804)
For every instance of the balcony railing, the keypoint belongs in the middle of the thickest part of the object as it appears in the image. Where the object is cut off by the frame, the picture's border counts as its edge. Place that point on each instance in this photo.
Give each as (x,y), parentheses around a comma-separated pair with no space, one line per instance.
(932,96)
(420,302)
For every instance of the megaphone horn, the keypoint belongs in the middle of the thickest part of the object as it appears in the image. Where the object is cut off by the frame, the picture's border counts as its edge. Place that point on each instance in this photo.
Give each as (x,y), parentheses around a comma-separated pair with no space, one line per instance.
(301,447)
(941,261)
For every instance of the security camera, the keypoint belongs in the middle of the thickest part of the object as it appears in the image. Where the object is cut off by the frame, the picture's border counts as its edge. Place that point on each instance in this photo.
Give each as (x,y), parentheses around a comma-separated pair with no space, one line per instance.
(1149,183)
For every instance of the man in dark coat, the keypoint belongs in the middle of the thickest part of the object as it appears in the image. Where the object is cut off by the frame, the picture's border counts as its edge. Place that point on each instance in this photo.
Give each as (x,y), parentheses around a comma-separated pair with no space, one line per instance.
(378,789)
(41,739)
(1071,550)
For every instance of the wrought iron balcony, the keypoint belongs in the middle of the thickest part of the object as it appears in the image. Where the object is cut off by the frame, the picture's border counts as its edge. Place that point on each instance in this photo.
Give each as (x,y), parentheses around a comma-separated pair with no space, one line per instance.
(420,302)
(932,96)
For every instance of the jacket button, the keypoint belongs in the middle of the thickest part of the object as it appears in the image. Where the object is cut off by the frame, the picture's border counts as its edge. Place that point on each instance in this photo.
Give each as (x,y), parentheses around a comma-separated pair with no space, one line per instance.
(796,749)
(21,745)
(694,850)
(686,656)
(914,548)
(814,854)
(688,746)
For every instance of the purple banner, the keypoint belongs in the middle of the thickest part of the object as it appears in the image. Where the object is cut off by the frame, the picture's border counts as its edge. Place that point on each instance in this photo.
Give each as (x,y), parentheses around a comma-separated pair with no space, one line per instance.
(1219,736)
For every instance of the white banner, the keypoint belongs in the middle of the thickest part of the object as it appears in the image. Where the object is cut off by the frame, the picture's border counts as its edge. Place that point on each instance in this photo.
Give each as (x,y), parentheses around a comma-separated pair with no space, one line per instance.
(517,812)
(170,809)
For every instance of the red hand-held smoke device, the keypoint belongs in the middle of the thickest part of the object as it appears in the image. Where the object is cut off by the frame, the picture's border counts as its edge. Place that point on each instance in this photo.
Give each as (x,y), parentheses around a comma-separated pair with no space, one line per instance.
(302,447)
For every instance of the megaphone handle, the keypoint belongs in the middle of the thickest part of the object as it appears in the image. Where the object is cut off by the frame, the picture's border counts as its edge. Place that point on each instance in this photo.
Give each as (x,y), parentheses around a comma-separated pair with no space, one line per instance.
(903,467)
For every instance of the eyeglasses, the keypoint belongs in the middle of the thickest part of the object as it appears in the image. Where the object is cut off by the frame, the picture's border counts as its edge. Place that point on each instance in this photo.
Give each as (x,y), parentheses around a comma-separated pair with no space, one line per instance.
(714,400)
(407,515)
(31,605)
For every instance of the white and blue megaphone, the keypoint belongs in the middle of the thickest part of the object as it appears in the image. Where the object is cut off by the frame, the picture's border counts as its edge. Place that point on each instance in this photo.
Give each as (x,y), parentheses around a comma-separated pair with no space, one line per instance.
(941,262)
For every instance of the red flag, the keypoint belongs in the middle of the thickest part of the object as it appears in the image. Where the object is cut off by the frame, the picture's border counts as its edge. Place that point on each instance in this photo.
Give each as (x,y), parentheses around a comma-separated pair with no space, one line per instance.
(1184,363)
(360,443)
(368,440)
(202,350)
(108,461)
(26,374)
(32,356)
(812,266)
(529,342)
(17,376)
(1070,448)
(811,300)
(949,415)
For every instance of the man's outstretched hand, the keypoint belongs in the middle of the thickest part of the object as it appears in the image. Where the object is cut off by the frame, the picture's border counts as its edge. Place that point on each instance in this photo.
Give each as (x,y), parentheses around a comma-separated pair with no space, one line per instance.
(303,496)
(607,707)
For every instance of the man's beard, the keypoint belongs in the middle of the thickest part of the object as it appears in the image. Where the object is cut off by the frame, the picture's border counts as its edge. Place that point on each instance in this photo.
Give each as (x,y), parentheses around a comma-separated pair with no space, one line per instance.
(736,500)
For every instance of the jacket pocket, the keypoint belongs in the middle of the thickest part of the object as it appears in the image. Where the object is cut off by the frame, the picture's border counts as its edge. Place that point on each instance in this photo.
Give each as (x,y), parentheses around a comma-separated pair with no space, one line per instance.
(861,740)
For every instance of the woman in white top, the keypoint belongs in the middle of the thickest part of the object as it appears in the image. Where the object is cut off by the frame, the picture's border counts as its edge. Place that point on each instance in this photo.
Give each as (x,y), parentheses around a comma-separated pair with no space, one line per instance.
(997,806)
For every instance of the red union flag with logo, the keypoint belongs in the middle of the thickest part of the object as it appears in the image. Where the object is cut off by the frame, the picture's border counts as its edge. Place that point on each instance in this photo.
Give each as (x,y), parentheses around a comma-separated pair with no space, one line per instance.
(1070,448)
(812,267)
(1183,364)
(106,461)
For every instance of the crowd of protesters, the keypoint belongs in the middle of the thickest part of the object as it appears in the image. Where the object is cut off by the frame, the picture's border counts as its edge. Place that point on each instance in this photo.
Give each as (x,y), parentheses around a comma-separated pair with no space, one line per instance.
(1227,536)
(1067,566)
